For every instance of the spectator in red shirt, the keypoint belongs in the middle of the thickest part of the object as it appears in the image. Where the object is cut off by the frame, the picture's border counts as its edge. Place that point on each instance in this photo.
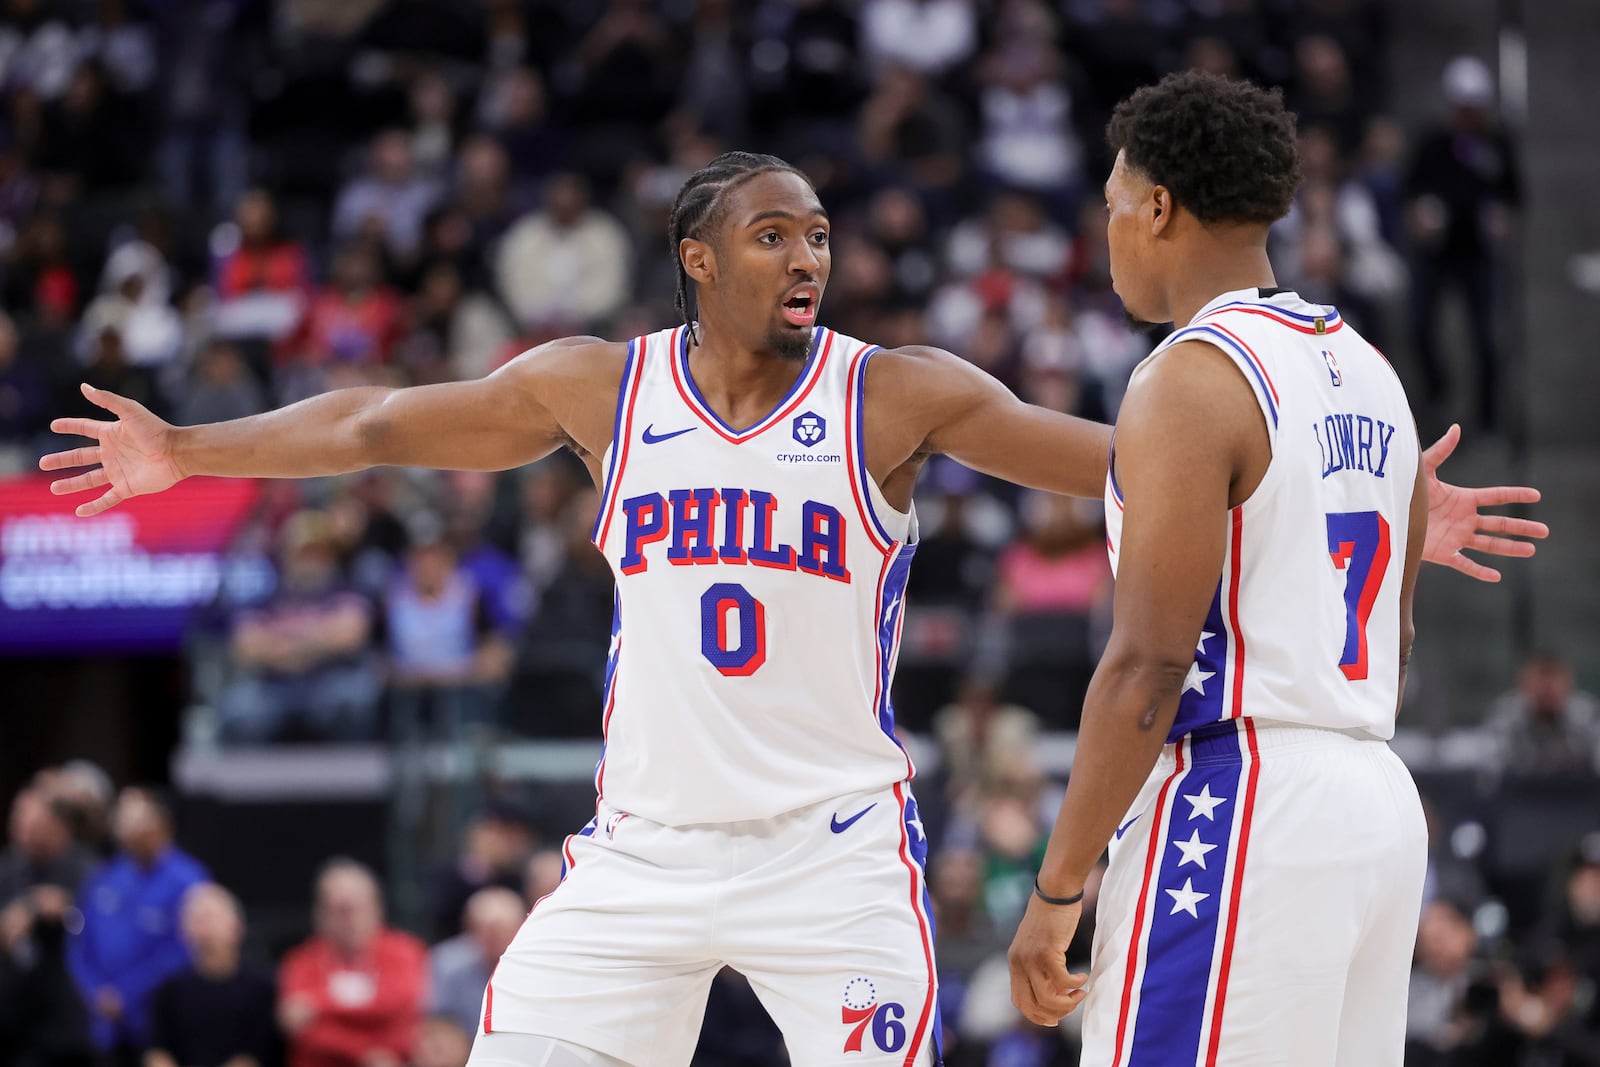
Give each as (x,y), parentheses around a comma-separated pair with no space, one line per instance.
(352,995)
(262,279)
(355,320)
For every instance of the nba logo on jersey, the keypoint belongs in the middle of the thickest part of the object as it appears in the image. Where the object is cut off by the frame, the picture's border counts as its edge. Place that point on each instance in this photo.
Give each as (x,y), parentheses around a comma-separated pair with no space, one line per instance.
(810,428)
(1333,367)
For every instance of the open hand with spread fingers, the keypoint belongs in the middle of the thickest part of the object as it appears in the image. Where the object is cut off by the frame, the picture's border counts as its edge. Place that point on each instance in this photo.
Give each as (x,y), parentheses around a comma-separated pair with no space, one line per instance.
(131,456)
(1456,519)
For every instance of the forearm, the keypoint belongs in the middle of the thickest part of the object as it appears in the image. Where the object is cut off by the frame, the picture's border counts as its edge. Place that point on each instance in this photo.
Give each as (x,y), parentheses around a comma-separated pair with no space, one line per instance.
(1039,448)
(1126,716)
(322,435)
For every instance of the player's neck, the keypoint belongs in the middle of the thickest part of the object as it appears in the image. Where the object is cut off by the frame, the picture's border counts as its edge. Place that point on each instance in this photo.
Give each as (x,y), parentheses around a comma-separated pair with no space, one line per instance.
(1211,269)
(740,381)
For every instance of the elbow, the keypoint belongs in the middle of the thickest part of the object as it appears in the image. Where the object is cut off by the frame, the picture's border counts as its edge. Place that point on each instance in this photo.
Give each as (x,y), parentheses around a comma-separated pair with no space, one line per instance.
(1145,682)
(371,434)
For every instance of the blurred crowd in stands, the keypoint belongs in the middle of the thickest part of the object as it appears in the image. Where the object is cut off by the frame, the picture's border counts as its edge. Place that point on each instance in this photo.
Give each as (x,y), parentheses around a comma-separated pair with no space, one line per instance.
(219,206)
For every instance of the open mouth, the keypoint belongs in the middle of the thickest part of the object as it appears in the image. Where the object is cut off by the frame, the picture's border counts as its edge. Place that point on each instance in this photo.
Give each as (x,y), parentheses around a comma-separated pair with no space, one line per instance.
(801,307)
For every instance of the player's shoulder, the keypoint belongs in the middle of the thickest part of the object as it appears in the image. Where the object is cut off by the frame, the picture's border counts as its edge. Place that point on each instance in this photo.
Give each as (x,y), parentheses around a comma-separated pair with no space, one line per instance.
(577,367)
(918,368)
(1188,376)
(584,356)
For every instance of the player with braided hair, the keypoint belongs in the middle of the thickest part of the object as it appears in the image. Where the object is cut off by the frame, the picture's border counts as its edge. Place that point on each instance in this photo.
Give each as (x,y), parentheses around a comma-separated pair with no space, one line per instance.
(755,471)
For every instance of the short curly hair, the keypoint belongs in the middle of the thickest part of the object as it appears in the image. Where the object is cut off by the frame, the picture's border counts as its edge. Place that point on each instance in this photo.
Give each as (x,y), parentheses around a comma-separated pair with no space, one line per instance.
(1225,148)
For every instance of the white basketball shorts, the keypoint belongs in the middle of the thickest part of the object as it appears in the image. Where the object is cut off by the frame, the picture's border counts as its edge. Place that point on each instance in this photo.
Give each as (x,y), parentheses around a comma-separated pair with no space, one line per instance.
(1261,906)
(824,910)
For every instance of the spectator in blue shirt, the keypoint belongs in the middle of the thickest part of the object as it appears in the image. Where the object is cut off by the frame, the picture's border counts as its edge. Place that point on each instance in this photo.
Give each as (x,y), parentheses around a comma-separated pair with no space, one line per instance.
(131,939)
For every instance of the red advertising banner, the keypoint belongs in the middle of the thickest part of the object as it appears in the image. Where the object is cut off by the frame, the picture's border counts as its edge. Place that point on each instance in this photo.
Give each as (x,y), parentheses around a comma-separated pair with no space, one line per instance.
(124,580)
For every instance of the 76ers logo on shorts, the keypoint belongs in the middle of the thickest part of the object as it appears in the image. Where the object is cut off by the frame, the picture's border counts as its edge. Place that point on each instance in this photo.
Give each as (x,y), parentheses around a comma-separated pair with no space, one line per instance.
(862,1010)
(810,428)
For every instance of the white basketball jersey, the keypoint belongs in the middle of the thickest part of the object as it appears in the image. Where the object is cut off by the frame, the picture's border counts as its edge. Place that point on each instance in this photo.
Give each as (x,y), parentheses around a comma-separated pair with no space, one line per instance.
(760,581)
(1305,623)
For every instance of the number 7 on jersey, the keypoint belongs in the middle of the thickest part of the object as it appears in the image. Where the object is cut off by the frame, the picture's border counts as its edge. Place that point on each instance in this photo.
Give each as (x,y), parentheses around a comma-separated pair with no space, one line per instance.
(1358,541)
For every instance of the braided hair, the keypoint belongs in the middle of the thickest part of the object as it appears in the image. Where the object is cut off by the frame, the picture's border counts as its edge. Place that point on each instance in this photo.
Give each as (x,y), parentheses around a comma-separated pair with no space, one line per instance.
(702,203)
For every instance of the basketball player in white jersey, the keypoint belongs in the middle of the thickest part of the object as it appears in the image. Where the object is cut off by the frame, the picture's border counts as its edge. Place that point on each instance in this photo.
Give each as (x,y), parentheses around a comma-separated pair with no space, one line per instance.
(1266,504)
(756,472)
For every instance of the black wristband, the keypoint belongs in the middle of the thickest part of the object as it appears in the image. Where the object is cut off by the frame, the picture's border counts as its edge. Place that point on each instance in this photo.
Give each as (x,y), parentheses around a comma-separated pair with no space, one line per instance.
(1058,901)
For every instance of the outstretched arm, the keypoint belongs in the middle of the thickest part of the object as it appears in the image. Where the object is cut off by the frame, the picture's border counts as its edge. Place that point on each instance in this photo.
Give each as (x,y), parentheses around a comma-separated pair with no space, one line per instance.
(961,411)
(980,423)
(509,418)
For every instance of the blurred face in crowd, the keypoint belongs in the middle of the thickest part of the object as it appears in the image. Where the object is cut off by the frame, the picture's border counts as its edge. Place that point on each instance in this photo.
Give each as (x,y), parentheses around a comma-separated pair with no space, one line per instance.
(566,199)
(1009,826)
(355,269)
(484,168)
(212,925)
(108,350)
(1445,940)
(768,266)
(1547,684)
(1583,894)
(431,98)
(8,341)
(310,567)
(431,566)
(897,217)
(255,216)
(524,98)
(1322,66)
(498,845)
(493,918)
(391,157)
(957,879)
(349,912)
(1319,155)
(140,825)
(222,365)
(542,875)
(37,828)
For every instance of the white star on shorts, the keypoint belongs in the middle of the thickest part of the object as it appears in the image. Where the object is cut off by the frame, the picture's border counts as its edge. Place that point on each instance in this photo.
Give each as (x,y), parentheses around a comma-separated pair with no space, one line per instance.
(1196,679)
(1203,803)
(1194,850)
(1186,898)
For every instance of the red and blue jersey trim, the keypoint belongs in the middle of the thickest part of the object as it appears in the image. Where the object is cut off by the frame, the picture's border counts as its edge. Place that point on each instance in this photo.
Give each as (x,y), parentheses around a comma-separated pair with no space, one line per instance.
(1297,321)
(609,697)
(914,854)
(888,623)
(1215,691)
(1222,338)
(810,374)
(1111,474)
(621,434)
(856,452)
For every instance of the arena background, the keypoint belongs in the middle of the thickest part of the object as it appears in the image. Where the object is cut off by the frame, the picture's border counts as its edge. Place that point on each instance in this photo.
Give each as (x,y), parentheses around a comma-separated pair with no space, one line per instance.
(216,206)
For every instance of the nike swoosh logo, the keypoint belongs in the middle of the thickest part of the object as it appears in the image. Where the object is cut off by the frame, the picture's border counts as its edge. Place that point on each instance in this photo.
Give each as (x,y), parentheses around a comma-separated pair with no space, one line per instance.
(840,827)
(655,439)
(1124,827)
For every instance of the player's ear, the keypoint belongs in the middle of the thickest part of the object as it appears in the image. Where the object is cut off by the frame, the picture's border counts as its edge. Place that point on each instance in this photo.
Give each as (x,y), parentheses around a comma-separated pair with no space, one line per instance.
(699,259)
(1161,209)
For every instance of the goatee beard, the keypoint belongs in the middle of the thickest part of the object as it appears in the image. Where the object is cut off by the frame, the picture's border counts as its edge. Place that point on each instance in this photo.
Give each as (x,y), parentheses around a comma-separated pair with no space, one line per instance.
(792,345)
(1139,325)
